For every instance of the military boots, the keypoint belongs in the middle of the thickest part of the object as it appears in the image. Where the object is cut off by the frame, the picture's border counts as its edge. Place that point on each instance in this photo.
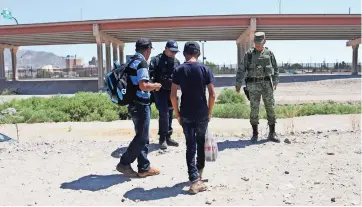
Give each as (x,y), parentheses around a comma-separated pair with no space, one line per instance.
(254,138)
(272,135)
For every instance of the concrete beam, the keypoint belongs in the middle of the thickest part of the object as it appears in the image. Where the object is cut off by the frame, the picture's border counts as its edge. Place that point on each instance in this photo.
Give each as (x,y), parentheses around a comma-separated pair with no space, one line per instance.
(2,65)
(115,52)
(108,58)
(104,36)
(100,63)
(121,54)
(354,42)
(14,51)
(355,59)
(8,46)
(246,35)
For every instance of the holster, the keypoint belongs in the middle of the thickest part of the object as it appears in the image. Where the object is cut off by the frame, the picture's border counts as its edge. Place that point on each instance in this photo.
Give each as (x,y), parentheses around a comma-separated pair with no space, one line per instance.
(246,91)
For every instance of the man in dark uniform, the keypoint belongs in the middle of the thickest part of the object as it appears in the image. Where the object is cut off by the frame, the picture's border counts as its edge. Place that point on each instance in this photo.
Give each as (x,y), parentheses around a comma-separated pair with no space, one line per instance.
(161,69)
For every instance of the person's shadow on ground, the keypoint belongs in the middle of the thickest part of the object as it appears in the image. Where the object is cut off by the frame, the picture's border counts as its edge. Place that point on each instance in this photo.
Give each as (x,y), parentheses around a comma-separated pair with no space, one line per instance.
(158,193)
(4,138)
(121,150)
(221,145)
(95,182)
(237,144)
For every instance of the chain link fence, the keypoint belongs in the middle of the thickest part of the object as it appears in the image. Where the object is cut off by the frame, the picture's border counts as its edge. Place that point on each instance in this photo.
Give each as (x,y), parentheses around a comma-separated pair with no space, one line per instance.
(225,69)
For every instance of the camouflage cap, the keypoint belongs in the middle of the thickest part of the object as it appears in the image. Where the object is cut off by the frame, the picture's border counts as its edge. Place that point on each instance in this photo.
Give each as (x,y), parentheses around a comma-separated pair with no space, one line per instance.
(259,37)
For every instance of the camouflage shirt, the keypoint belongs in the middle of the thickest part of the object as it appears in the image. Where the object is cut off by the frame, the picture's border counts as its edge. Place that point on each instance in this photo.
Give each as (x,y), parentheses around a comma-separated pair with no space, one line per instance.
(246,63)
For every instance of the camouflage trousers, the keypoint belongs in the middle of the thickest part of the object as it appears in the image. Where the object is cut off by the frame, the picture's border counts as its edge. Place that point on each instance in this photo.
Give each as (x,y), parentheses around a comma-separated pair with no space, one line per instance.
(256,91)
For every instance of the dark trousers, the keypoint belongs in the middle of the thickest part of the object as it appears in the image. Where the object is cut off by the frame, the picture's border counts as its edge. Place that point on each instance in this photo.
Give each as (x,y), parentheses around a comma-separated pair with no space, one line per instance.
(195,131)
(138,148)
(165,111)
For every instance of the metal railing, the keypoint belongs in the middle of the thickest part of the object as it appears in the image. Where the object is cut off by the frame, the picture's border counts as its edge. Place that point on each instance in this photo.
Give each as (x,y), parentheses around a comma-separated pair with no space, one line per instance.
(225,69)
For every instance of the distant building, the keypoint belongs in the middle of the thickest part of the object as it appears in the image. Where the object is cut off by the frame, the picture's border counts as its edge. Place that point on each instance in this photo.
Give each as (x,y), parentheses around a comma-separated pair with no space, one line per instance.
(72,62)
(93,61)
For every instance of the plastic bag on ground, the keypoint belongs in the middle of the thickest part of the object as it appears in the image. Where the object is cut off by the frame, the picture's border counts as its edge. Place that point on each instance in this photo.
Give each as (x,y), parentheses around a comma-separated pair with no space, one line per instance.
(211,149)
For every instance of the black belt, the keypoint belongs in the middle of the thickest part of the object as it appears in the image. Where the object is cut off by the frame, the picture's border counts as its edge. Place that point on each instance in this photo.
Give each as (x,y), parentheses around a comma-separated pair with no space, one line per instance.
(266,78)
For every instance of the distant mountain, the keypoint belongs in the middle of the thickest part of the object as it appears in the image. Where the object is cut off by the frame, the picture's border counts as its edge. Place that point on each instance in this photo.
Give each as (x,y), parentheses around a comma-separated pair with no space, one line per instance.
(35,59)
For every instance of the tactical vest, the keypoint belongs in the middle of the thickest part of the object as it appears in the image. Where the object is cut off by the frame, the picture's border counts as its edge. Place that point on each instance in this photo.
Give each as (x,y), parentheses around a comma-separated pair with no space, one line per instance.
(260,64)
(164,69)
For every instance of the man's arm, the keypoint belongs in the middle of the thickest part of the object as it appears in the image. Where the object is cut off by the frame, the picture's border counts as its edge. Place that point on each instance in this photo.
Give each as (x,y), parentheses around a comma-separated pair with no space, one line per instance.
(173,97)
(241,73)
(144,78)
(212,96)
(152,68)
(210,87)
(173,93)
(275,77)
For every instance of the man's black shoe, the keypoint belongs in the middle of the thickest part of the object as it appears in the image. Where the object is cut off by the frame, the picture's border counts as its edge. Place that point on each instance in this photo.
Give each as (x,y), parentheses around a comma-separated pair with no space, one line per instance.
(171,142)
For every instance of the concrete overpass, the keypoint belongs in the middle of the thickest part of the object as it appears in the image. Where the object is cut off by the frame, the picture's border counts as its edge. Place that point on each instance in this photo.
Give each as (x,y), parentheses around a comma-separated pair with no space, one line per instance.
(239,28)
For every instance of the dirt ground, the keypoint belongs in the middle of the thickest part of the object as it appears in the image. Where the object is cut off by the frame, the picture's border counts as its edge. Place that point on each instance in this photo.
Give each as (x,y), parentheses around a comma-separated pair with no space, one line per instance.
(343,90)
(74,163)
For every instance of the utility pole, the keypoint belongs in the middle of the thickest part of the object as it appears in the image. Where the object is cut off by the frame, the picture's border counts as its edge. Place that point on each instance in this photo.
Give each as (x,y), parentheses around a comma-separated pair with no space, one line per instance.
(81,14)
(280,6)
(349,10)
(203,51)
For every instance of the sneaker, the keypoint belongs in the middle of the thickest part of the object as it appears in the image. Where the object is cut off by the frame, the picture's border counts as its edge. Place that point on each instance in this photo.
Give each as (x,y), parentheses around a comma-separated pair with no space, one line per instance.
(150,172)
(126,170)
(197,186)
(171,142)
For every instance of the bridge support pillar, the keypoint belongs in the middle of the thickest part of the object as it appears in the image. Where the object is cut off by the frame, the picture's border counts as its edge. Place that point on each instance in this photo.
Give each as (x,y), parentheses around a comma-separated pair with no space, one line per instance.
(245,41)
(121,54)
(241,50)
(354,43)
(115,52)
(108,58)
(14,50)
(355,60)
(100,64)
(2,65)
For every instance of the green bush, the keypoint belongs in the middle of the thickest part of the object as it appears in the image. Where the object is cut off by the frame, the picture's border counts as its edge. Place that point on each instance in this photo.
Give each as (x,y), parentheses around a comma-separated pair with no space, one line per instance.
(86,107)
(229,96)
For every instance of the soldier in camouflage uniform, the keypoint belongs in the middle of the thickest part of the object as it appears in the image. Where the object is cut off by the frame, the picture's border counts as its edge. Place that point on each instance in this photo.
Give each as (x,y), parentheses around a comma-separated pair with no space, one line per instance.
(261,73)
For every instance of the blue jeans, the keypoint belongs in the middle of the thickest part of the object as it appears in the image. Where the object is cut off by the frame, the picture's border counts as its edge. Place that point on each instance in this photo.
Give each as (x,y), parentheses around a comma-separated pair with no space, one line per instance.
(138,148)
(165,111)
(195,131)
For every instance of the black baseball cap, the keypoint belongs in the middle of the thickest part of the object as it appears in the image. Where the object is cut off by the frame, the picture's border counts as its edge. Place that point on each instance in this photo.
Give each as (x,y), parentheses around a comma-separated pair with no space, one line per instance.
(191,47)
(144,43)
(172,45)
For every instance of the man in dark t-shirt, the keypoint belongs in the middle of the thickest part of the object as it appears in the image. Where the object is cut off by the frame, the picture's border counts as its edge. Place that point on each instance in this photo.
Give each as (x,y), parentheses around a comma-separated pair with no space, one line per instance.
(194,114)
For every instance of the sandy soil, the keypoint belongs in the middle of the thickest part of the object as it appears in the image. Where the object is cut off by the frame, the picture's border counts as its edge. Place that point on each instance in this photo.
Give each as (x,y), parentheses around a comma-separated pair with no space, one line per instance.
(74,164)
(343,90)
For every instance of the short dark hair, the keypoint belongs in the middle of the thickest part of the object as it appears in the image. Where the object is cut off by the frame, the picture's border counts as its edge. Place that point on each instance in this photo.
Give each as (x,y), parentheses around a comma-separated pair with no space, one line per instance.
(192,48)
(192,53)
(143,44)
(141,49)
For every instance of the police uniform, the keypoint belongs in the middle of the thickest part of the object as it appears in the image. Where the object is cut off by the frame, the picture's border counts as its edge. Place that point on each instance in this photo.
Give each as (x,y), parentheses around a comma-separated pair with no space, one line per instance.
(161,69)
(261,73)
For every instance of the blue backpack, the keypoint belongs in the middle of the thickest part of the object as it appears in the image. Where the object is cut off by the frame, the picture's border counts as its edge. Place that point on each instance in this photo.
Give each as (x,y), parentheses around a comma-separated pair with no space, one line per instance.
(119,86)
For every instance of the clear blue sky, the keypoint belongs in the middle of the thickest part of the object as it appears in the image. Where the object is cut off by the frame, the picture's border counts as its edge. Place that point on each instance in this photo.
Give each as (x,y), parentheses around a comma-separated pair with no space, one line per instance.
(36,11)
